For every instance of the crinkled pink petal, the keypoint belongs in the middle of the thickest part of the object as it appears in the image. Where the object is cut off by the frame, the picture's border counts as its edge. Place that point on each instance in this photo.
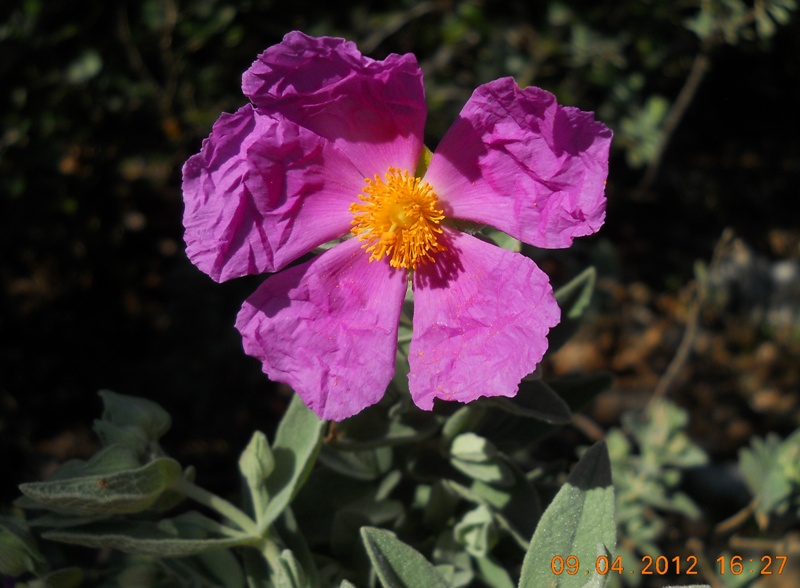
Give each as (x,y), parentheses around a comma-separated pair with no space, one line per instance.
(328,328)
(481,318)
(262,192)
(374,111)
(516,160)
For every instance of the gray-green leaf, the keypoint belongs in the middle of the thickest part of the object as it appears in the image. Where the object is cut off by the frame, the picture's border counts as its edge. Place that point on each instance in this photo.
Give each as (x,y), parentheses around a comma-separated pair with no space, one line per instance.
(184,535)
(397,564)
(125,492)
(579,522)
(478,458)
(493,574)
(289,573)
(366,464)
(109,460)
(125,410)
(296,445)
(476,531)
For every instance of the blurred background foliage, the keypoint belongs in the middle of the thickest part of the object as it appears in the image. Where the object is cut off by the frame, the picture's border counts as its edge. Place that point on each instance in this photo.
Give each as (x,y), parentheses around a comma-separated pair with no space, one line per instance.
(102,103)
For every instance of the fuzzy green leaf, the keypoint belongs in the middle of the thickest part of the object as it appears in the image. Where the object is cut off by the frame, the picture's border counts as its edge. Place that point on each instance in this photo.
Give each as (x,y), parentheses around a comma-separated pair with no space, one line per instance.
(472,447)
(125,410)
(366,464)
(129,436)
(453,563)
(579,522)
(185,535)
(223,566)
(109,460)
(496,471)
(467,418)
(289,573)
(516,506)
(294,540)
(125,492)
(477,457)
(438,505)
(766,476)
(397,564)
(476,531)
(493,574)
(296,445)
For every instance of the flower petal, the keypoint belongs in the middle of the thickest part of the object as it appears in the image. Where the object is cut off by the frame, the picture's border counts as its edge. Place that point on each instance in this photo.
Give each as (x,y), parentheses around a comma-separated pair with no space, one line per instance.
(328,328)
(374,111)
(262,192)
(516,160)
(481,325)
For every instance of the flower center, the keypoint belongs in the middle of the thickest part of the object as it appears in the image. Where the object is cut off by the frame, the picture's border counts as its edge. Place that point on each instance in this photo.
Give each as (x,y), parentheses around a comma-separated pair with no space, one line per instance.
(398,217)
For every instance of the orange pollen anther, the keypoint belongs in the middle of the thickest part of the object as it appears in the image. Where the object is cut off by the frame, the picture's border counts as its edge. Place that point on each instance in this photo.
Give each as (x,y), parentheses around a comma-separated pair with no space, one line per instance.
(398,218)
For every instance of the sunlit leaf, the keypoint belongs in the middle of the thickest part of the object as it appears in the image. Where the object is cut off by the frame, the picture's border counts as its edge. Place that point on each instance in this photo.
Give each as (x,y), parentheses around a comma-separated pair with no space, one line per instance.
(478,458)
(579,522)
(297,442)
(476,531)
(472,447)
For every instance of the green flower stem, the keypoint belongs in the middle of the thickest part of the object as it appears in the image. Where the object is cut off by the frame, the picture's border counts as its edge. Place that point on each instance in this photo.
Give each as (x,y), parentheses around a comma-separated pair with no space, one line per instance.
(272,554)
(220,505)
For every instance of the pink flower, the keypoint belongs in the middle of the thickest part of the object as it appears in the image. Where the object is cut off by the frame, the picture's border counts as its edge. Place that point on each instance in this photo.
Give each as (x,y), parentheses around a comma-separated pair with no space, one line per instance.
(329,147)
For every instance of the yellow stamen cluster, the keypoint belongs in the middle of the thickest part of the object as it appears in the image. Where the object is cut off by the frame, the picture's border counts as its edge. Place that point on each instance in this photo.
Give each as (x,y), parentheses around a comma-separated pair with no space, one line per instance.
(398,217)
